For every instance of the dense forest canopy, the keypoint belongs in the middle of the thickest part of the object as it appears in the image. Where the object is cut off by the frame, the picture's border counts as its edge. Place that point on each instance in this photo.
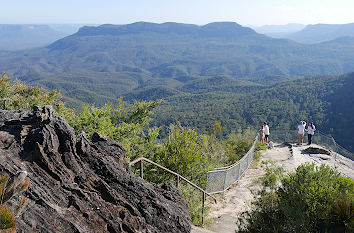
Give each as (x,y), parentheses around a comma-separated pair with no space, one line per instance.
(326,100)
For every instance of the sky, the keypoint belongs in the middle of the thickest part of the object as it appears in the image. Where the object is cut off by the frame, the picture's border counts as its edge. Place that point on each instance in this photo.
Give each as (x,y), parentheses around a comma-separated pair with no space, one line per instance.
(244,12)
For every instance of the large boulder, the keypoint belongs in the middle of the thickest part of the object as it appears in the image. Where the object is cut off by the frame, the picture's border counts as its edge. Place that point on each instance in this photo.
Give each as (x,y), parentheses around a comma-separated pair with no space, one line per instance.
(81,185)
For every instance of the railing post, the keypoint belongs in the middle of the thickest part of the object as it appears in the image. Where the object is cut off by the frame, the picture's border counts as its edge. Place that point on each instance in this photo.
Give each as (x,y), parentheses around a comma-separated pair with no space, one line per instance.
(286,137)
(141,169)
(177,181)
(203,207)
(335,148)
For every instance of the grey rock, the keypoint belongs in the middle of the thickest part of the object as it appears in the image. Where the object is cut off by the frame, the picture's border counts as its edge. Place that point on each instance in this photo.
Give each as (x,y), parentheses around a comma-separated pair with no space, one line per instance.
(78,185)
(316,150)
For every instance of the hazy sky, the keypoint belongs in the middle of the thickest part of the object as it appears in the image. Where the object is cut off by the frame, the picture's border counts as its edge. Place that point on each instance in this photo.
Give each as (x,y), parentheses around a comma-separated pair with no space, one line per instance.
(245,12)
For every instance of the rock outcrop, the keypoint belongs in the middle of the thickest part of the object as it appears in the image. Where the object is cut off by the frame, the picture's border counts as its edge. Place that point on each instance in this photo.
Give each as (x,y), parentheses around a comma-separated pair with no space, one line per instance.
(316,150)
(81,185)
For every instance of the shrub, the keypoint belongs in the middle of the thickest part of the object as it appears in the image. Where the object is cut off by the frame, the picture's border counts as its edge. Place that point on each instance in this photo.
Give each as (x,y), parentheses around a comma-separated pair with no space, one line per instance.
(214,150)
(7,220)
(17,95)
(182,154)
(261,146)
(237,145)
(273,174)
(312,199)
(9,187)
(193,198)
(127,124)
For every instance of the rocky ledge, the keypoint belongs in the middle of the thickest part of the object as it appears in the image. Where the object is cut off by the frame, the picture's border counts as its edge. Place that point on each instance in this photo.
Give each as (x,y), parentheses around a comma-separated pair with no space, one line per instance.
(81,185)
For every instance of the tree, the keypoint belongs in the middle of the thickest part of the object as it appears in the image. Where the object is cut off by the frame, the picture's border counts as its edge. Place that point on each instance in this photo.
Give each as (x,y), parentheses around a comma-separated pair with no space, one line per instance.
(215,129)
(127,124)
(182,154)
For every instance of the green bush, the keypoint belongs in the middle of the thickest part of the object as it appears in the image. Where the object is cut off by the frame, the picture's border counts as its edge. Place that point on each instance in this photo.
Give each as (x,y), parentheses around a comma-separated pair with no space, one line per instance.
(8,189)
(182,154)
(17,95)
(193,198)
(261,146)
(312,199)
(127,124)
(237,145)
(214,150)
(257,152)
(7,220)
(273,174)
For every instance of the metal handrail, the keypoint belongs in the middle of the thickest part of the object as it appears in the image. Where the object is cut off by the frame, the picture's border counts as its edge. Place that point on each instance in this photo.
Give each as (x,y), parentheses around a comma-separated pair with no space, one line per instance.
(178,178)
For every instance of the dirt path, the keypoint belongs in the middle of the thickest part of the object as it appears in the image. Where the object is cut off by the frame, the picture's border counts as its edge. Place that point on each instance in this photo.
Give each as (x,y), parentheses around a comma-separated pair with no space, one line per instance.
(239,197)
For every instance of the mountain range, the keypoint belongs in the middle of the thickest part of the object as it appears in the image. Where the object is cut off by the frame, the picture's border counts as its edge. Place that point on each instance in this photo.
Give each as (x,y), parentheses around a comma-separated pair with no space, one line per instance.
(206,73)
(279,31)
(307,34)
(142,51)
(317,33)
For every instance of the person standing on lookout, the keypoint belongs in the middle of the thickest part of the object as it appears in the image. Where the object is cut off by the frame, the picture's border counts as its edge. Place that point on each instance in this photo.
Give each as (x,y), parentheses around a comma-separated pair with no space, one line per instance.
(310,132)
(261,134)
(266,132)
(301,132)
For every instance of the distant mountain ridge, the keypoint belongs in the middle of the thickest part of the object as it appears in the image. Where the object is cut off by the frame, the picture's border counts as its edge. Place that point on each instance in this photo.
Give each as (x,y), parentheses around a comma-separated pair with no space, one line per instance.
(187,51)
(322,32)
(212,29)
(113,60)
(279,31)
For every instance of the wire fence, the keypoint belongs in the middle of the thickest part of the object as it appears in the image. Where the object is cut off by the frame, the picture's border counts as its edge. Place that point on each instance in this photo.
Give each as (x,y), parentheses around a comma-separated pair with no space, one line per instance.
(222,178)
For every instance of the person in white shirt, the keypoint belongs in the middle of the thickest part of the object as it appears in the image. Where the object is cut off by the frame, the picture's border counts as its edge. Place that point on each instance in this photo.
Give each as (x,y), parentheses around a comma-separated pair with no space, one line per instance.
(266,132)
(301,132)
(310,132)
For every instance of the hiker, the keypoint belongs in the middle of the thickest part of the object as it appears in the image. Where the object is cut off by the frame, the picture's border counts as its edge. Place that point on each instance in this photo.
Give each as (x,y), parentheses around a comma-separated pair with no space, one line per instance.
(310,132)
(261,134)
(301,132)
(266,132)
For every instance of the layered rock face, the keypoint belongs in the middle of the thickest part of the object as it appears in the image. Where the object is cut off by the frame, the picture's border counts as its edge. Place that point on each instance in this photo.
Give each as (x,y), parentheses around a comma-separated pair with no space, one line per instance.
(78,185)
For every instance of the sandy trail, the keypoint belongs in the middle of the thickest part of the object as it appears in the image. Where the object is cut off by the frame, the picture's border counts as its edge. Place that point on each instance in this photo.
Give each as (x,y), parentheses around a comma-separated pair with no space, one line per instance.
(238,198)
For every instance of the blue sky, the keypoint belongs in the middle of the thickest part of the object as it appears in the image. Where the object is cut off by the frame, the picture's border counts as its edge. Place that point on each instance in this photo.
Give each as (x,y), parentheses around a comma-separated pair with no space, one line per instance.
(245,12)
